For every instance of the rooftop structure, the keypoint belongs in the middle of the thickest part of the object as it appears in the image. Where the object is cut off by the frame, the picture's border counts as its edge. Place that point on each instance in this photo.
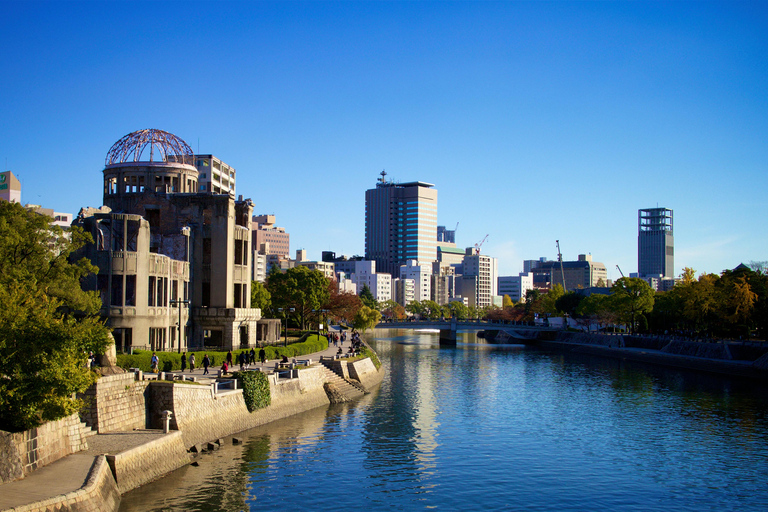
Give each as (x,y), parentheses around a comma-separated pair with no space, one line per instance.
(655,243)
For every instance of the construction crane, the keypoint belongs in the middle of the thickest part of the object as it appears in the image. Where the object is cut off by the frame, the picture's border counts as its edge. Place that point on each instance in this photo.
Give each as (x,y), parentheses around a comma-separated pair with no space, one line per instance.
(620,272)
(480,244)
(560,259)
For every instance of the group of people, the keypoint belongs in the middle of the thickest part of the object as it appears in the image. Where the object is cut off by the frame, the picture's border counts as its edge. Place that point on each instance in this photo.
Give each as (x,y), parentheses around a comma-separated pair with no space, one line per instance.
(245,359)
(355,342)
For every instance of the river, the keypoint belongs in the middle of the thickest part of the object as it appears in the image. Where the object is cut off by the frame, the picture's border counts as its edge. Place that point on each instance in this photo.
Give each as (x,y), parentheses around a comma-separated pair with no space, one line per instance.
(496,427)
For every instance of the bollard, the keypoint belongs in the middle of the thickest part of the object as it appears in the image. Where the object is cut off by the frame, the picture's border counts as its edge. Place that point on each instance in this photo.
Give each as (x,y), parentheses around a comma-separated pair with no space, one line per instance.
(167,421)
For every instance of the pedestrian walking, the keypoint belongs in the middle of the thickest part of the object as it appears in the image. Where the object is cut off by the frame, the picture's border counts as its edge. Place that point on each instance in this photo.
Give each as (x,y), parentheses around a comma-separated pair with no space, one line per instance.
(154,362)
(192,362)
(229,358)
(206,363)
(183,361)
(262,355)
(252,356)
(241,360)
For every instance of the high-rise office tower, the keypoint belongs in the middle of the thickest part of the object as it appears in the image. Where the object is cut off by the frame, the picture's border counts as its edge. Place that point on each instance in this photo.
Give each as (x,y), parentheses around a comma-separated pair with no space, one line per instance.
(655,243)
(400,224)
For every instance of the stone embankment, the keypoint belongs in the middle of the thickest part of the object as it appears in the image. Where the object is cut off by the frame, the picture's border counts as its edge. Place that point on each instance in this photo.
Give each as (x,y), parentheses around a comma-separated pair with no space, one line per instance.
(122,405)
(728,359)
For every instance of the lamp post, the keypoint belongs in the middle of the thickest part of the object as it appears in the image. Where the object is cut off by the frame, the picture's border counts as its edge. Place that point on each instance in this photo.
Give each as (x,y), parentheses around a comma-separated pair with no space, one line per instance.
(291,310)
(178,302)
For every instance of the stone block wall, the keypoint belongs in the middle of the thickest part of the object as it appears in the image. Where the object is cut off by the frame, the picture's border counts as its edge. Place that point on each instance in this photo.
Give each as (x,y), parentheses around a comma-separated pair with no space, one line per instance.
(116,403)
(365,372)
(202,416)
(149,461)
(24,452)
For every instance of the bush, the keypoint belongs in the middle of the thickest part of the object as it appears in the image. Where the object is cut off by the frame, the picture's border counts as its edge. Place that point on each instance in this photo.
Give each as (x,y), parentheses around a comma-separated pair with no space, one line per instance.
(256,392)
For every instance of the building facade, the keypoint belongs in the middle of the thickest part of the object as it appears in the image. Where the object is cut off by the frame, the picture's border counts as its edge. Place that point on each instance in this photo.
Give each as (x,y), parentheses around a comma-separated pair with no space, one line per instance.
(269,239)
(516,286)
(574,275)
(420,274)
(170,256)
(214,176)
(479,279)
(655,243)
(400,224)
(10,187)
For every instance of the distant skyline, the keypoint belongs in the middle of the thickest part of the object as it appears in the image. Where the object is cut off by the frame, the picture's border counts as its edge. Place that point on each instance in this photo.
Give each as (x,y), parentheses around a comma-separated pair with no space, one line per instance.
(536,122)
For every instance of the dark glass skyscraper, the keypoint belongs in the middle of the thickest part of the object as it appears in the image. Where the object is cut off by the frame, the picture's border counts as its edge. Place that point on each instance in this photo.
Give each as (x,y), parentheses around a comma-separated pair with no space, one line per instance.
(655,243)
(400,224)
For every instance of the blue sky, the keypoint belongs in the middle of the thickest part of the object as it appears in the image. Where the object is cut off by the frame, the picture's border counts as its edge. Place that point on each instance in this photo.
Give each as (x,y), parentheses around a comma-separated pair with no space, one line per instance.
(535,121)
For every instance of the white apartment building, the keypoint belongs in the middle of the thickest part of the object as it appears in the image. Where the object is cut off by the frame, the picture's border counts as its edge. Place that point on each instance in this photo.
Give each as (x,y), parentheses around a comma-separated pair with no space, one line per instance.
(421,274)
(516,286)
(403,291)
(480,279)
(214,176)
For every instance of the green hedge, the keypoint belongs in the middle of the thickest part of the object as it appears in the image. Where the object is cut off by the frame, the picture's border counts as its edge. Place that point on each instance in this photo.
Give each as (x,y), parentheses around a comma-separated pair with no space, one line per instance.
(171,361)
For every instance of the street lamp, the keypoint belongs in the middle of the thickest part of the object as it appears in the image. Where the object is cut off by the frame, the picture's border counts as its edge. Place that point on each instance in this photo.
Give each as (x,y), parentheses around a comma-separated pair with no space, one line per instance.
(291,310)
(178,302)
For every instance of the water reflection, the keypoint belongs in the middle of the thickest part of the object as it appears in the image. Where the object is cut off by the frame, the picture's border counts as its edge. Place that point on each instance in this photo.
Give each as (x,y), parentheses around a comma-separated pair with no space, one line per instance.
(497,427)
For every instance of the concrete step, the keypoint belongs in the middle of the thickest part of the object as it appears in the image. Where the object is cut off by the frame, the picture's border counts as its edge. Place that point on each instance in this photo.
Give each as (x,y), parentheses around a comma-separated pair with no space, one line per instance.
(87,431)
(345,387)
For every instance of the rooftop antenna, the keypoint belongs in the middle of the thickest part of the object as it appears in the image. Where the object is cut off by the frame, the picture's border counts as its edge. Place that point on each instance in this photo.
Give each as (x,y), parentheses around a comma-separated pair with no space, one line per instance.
(560,259)
(383,178)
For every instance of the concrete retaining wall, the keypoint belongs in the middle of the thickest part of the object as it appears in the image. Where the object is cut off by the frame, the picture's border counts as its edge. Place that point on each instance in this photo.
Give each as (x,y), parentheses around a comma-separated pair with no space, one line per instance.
(97,495)
(365,372)
(149,461)
(115,403)
(23,452)
(202,416)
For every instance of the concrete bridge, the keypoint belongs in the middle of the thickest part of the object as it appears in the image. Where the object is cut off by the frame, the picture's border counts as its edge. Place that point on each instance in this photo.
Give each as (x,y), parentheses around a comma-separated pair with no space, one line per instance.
(516,331)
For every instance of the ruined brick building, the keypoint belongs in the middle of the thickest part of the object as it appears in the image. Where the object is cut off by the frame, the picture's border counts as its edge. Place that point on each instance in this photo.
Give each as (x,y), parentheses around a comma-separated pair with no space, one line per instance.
(168,252)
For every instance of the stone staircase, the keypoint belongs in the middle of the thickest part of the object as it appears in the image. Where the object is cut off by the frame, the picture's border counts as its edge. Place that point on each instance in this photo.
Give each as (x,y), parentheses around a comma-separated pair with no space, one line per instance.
(87,431)
(345,388)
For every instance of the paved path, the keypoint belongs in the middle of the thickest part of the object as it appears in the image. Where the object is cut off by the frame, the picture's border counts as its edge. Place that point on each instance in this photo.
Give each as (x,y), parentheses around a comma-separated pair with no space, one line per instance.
(61,477)
(268,366)
(71,473)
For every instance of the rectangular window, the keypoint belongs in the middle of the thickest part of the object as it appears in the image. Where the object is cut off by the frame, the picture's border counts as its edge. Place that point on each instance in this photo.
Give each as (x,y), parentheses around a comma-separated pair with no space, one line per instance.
(117,290)
(130,290)
(238,295)
(131,240)
(151,294)
(238,252)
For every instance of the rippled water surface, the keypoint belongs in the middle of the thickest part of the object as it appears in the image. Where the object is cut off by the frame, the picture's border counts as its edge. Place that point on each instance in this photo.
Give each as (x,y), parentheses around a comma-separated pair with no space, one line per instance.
(496,428)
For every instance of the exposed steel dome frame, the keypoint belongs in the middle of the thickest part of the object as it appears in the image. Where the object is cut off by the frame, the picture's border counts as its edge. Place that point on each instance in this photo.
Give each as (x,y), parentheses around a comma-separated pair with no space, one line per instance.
(168,146)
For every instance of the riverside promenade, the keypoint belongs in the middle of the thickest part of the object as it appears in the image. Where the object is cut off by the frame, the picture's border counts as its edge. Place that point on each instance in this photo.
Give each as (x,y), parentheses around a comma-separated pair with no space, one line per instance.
(67,484)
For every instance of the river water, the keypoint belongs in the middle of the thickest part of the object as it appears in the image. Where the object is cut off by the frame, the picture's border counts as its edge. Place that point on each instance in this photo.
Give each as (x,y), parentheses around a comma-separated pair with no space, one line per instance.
(496,427)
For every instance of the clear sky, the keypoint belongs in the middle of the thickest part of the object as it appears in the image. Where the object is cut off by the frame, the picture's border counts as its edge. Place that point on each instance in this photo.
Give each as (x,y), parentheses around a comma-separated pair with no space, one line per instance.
(535,121)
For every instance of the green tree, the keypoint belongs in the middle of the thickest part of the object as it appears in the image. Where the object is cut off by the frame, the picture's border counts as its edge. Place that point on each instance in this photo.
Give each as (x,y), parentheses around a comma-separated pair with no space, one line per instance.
(432,309)
(48,324)
(260,297)
(549,300)
(367,297)
(415,308)
(630,298)
(366,318)
(299,288)
(459,310)
(568,303)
